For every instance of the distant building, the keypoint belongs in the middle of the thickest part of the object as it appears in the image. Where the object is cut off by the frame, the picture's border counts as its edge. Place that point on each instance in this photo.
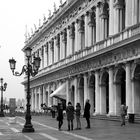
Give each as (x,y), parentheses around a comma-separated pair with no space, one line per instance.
(91,49)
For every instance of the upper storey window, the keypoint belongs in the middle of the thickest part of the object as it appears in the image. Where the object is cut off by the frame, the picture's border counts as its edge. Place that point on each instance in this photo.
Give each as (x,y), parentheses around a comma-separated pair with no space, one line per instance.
(119,6)
(104,15)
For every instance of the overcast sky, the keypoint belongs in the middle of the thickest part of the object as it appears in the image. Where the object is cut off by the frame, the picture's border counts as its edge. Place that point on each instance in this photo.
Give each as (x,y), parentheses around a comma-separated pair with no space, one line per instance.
(14,16)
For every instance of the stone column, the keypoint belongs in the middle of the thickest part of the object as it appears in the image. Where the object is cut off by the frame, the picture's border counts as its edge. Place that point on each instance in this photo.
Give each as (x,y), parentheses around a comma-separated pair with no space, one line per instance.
(81,33)
(32,99)
(39,105)
(64,40)
(104,26)
(49,52)
(97,93)
(55,59)
(91,34)
(76,35)
(111,18)
(117,92)
(91,91)
(76,90)
(40,55)
(98,23)
(119,7)
(135,12)
(35,99)
(111,93)
(45,56)
(86,90)
(68,42)
(86,30)
(61,47)
(67,91)
(52,49)
(71,37)
(102,98)
(129,12)
(128,88)
(44,94)
(49,98)
(58,46)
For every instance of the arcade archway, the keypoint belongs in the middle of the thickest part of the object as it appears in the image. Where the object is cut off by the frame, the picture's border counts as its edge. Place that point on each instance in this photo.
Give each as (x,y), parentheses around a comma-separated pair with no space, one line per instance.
(105,93)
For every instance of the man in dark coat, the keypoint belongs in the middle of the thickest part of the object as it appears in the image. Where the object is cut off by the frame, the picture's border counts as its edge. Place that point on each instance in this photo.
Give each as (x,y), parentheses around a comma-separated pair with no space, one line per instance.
(87,113)
(60,115)
(70,115)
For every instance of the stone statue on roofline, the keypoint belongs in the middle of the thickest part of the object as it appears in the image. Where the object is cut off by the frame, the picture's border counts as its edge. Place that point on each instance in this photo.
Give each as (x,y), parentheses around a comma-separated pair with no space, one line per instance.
(49,13)
(54,7)
(61,2)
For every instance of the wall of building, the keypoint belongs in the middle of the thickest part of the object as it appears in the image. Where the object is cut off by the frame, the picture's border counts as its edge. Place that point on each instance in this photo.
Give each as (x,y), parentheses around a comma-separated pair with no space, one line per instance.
(93,47)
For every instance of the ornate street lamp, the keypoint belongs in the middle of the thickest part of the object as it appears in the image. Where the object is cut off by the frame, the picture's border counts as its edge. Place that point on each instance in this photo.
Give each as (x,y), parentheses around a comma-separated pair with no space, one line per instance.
(2,88)
(31,69)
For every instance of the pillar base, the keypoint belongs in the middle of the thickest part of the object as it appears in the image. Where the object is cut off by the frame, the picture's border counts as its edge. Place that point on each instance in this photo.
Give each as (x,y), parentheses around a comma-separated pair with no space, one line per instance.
(28,128)
(96,113)
(1,114)
(110,114)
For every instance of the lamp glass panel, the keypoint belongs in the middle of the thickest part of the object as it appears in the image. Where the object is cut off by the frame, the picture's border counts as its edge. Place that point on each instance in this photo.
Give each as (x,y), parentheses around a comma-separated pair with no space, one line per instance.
(12,63)
(28,52)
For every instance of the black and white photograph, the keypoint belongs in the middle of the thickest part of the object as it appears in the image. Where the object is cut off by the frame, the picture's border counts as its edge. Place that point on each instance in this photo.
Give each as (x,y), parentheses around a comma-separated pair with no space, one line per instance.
(70,69)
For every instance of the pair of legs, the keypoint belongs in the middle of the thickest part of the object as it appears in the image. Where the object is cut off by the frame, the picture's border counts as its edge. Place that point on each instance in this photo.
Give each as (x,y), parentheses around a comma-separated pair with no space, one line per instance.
(60,122)
(122,120)
(78,122)
(70,125)
(88,122)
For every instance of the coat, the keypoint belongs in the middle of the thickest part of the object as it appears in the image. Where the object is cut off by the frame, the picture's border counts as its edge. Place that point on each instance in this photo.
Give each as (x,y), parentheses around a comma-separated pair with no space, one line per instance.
(87,110)
(77,110)
(60,113)
(70,112)
(123,110)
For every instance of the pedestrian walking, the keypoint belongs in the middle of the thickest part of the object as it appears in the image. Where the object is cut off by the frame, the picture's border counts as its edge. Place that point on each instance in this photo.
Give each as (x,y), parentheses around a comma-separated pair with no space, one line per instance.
(87,113)
(53,111)
(60,115)
(123,112)
(70,115)
(78,113)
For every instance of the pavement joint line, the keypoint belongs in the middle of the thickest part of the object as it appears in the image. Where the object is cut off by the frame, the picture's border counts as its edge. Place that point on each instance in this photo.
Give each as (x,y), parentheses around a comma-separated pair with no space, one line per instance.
(1,133)
(15,130)
(48,136)
(72,134)
(20,123)
(7,123)
(29,138)
(75,135)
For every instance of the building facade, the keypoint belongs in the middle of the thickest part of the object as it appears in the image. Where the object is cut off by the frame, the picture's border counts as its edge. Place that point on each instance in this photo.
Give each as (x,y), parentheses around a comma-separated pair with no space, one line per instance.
(93,47)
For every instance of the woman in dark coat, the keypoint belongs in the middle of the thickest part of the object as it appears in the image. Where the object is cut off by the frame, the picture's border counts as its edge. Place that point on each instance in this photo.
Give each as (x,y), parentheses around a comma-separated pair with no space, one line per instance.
(60,115)
(70,115)
(87,113)
(78,113)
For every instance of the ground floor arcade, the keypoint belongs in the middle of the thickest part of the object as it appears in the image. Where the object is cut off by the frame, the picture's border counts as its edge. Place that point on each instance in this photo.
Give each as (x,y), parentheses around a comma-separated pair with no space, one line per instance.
(107,88)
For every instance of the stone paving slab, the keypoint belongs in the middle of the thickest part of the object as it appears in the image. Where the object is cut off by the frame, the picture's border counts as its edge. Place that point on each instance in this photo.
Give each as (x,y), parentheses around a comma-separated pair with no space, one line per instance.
(100,129)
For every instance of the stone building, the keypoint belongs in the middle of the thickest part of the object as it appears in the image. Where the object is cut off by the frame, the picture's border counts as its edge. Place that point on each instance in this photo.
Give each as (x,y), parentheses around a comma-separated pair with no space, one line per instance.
(89,49)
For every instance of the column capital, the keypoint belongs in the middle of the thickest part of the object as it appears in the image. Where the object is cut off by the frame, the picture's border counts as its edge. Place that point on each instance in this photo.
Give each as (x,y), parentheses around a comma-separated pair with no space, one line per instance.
(91,21)
(118,4)
(104,10)
(81,25)
(64,35)
(72,31)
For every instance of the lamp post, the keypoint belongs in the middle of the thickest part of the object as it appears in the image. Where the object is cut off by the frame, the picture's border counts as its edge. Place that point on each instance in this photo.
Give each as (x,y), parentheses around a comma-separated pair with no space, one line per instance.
(31,69)
(2,88)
